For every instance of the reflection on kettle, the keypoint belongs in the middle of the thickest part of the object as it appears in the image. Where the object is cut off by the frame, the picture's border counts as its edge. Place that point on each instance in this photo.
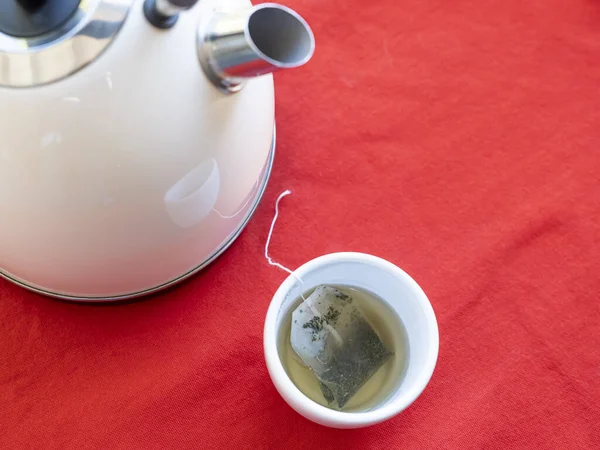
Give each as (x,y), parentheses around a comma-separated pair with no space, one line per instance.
(189,201)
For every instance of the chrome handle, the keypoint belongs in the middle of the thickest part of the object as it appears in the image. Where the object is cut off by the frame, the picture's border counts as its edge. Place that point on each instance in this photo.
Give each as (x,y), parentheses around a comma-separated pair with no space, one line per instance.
(163,14)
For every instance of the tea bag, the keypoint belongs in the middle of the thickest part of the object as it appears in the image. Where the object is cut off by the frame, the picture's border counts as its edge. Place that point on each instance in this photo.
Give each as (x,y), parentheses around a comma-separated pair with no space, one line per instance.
(334,339)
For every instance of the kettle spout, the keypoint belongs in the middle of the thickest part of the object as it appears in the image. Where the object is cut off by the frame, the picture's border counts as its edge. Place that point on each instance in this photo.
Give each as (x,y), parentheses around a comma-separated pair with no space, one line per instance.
(235,46)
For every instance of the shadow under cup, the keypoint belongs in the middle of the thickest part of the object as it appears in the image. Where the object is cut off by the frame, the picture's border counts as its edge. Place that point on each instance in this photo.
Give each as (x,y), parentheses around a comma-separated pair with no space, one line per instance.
(392,285)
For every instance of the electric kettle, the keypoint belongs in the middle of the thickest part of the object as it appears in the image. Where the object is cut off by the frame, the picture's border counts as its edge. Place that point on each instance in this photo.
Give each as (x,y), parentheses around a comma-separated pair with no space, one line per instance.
(136,136)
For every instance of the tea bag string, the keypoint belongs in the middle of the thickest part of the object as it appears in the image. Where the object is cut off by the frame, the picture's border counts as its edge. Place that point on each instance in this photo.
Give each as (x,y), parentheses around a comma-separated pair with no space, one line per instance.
(269,259)
(315,312)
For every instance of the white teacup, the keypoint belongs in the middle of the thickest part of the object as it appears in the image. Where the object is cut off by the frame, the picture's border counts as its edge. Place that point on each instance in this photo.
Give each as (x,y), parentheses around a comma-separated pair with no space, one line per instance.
(393,286)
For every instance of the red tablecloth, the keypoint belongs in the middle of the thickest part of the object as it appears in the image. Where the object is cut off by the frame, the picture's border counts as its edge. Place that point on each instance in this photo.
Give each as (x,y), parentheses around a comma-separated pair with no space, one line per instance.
(458,139)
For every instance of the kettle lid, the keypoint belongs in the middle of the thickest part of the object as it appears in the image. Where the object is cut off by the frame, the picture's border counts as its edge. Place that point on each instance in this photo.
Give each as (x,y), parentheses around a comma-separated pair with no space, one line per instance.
(29,18)
(42,41)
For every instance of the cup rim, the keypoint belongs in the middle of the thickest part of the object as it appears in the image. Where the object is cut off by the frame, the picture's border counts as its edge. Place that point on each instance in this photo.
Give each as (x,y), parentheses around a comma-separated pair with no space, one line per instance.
(307,407)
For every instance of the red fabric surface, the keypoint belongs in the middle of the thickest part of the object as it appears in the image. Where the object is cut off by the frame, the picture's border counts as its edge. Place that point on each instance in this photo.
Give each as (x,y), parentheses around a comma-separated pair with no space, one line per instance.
(458,139)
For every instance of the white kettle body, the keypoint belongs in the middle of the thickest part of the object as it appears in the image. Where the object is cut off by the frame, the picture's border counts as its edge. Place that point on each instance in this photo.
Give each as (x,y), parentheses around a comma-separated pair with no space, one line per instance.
(132,154)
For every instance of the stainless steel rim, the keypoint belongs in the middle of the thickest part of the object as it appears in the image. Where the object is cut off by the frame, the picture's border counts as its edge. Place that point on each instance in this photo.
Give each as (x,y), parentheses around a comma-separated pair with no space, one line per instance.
(27,62)
(212,258)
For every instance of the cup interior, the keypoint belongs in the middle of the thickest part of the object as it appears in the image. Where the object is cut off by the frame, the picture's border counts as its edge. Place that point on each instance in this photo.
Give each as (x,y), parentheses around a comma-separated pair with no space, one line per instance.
(393,286)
